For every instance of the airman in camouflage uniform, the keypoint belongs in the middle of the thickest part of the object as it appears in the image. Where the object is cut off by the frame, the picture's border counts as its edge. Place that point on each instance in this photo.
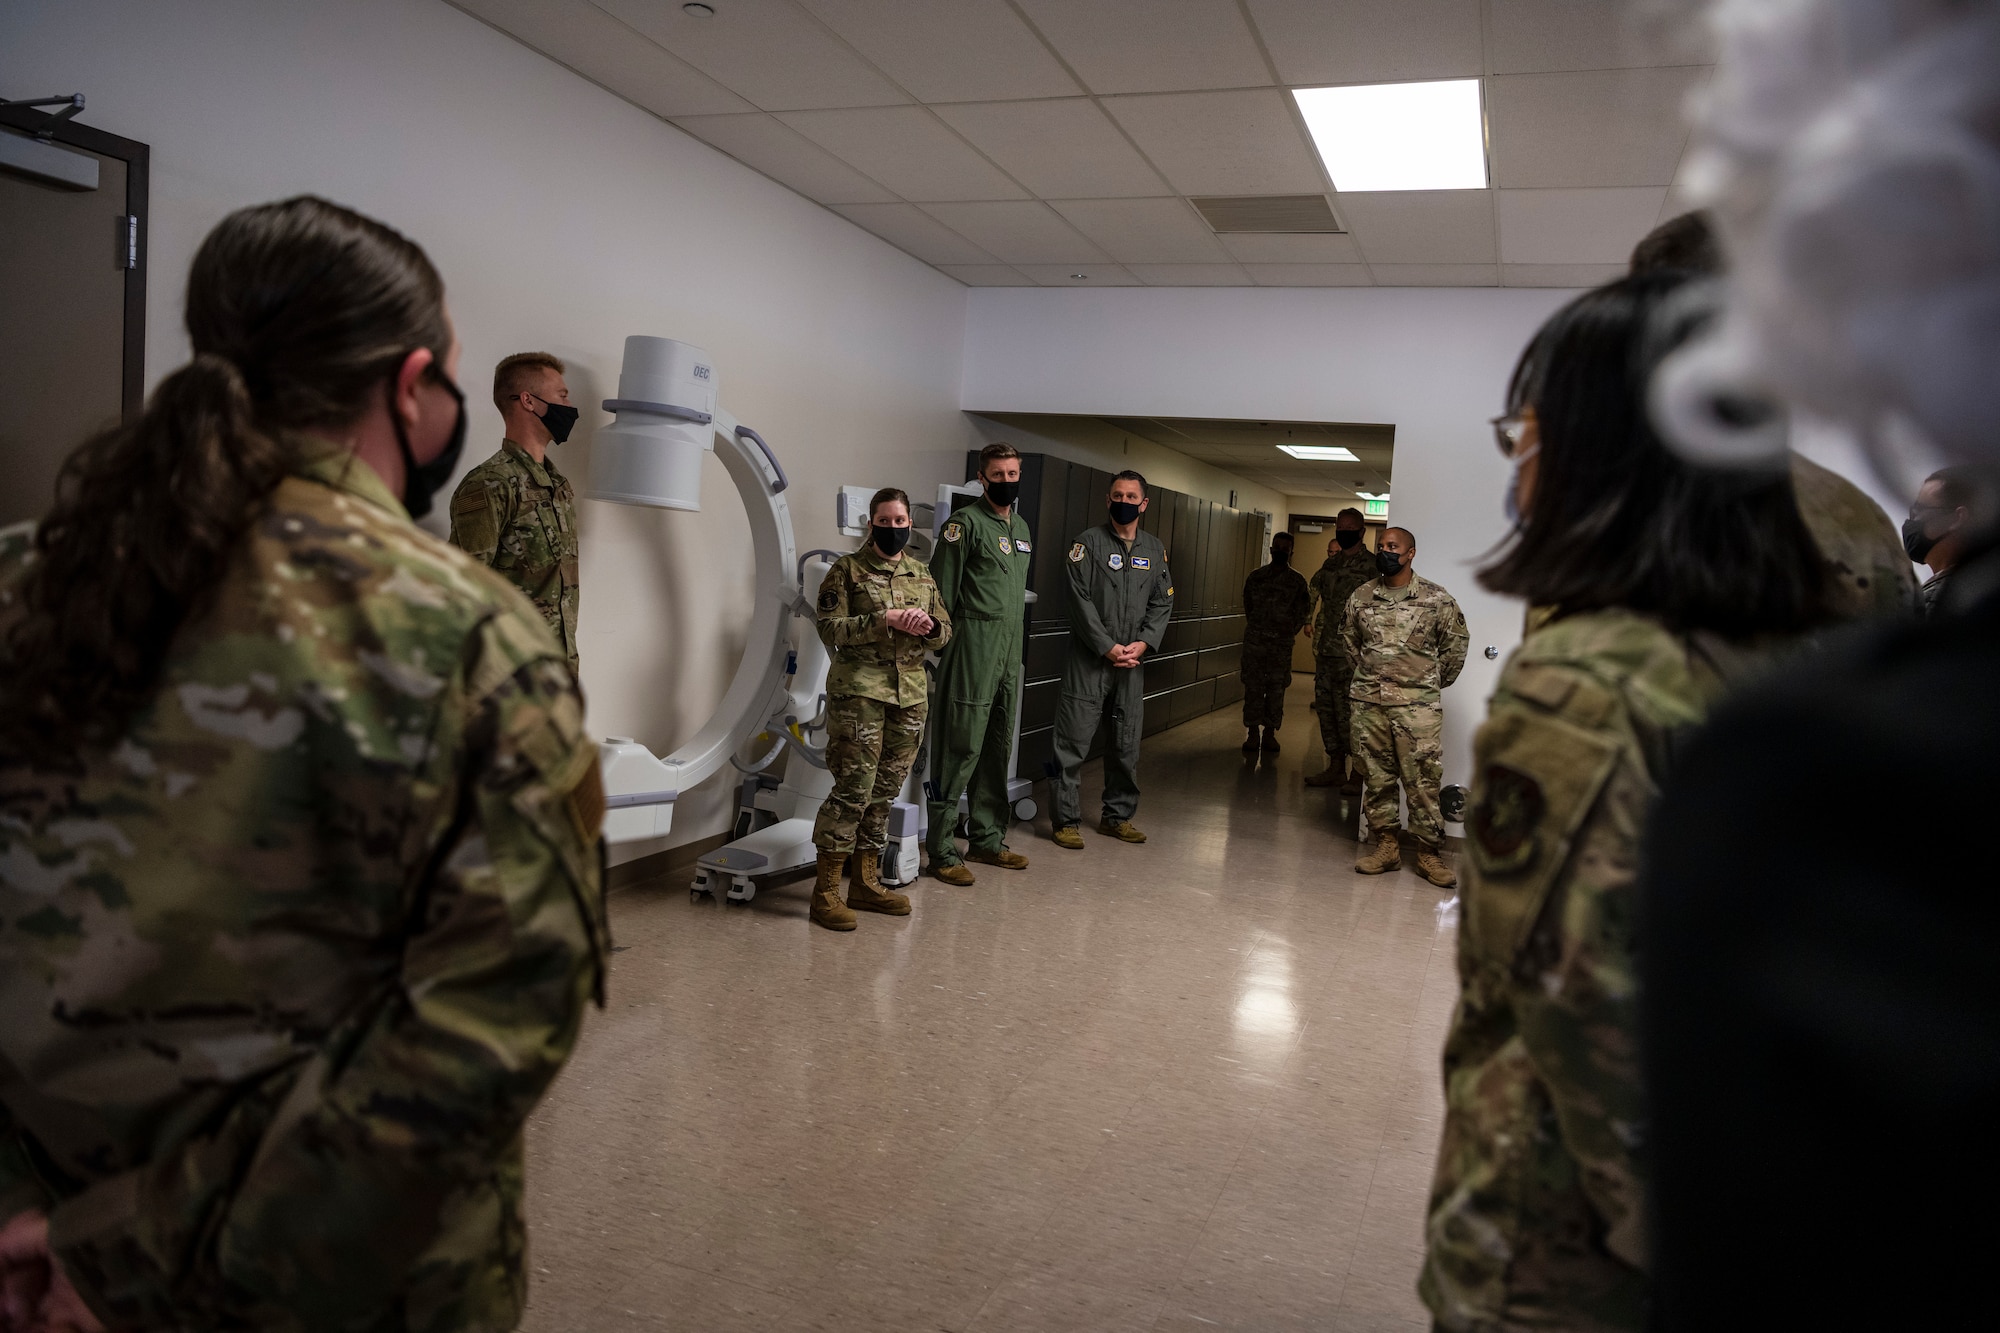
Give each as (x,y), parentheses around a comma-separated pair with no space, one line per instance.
(287,966)
(1868,572)
(1538,1211)
(1275,607)
(1345,569)
(877,696)
(519,516)
(1407,645)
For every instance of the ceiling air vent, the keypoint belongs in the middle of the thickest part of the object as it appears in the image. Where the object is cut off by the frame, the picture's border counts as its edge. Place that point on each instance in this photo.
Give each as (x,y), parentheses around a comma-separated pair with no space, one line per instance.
(1268,213)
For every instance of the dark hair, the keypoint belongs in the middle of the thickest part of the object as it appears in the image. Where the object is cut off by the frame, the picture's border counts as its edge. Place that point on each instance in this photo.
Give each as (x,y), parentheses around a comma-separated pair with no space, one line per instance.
(1616,518)
(1405,531)
(998,449)
(513,374)
(1285,537)
(885,496)
(1129,475)
(1958,486)
(1359,517)
(297,312)
(1687,243)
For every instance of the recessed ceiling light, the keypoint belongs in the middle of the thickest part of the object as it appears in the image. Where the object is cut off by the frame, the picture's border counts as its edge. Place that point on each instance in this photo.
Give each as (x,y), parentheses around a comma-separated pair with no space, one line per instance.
(1398,136)
(1079,275)
(1370,495)
(1319,453)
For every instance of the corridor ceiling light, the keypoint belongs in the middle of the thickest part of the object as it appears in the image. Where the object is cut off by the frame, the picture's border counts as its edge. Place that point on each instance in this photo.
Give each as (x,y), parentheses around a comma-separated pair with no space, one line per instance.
(1398,136)
(1370,495)
(1320,453)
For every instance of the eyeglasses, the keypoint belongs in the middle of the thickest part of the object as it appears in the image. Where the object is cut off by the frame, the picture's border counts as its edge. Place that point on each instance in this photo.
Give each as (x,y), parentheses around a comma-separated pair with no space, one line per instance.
(1508,432)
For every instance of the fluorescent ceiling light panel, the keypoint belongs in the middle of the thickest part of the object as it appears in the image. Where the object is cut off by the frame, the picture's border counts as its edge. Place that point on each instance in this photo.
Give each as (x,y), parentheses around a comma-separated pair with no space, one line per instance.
(1320,453)
(1370,495)
(1398,136)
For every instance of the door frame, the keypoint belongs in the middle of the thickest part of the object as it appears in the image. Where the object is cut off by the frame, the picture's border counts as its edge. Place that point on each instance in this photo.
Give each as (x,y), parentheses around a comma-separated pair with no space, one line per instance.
(137,159)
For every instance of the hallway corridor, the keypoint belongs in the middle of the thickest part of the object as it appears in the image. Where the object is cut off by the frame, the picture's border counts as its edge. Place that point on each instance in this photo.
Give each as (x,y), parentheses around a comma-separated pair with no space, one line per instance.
(1180,1086)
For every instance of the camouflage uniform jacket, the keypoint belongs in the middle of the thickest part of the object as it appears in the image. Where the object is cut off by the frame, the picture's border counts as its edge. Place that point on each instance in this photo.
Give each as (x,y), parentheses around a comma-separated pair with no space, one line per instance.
(869,658)
(1405,650)
(1275,607)
(1867,571)
(1537,1211)
(284,970)
(519,517)
(1331,585)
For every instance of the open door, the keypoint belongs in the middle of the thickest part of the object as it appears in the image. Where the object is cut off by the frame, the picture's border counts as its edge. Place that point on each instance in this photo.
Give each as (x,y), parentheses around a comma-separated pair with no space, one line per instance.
(73,270)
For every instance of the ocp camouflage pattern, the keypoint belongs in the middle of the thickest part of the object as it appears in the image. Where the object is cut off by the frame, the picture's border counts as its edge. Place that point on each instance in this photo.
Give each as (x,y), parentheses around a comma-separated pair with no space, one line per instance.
(283,971)
(1275,607)
(869,658)
(1331,585)
(518,517)
(1401,743)
(1405,650)
(870,746)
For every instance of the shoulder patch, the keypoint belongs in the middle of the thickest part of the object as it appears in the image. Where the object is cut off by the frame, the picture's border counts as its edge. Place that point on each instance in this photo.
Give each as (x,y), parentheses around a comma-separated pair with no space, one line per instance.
(829,598)
(1170,590)
(1076,554)
(953,531)
(1505,820)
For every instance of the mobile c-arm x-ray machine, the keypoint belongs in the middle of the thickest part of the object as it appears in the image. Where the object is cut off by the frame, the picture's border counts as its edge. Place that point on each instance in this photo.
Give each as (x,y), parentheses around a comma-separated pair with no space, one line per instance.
(667,419)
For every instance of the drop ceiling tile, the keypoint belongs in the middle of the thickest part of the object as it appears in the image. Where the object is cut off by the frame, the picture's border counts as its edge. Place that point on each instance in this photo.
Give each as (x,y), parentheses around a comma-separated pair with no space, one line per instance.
(1535,36)
(605,51)
(763,144)
(1281,249)
(1436,275)
(1134,46)
(1065,275)
(1607,127)
(1559,275)
(1144,231)
(987,275)
(1422,226)
(909,228)
(1369,41)
(1024,232)
(906,149)
(1680,199)
(1575,226)
(965,51)
(1310,275)
(1242,142)
(1064,149)
(768,51)
(1190,275)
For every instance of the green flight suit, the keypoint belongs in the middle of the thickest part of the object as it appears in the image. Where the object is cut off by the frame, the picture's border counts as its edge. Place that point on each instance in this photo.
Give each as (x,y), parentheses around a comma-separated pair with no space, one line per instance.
(289,961)
(981,570)
(1115,596)
(518,517)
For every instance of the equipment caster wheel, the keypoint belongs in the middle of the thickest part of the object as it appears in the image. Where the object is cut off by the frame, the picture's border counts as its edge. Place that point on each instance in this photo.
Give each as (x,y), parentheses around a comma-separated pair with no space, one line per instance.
(1025,810)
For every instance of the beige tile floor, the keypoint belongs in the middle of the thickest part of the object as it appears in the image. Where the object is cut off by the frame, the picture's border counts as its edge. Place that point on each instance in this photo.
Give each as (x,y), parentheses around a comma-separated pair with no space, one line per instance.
(1188,1085)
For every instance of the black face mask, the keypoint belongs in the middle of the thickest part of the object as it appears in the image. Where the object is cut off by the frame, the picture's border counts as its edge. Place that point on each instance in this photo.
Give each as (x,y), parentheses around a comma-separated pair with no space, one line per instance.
(1348,540)
(890,541)
(1916,544)
(421,481)
(1123,512)
(1003,493)
(559,419)
(1281,555)
(1388,564)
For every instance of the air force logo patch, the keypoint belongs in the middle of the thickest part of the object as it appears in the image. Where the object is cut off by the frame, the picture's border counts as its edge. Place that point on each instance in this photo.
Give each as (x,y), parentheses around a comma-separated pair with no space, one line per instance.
(953,531)
(1076,554)
(1117,561)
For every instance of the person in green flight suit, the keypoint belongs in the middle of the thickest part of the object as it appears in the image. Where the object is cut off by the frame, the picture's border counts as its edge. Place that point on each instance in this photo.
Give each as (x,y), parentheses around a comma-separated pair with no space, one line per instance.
(981,570)
(879,613)
(1120,598)
(514,512)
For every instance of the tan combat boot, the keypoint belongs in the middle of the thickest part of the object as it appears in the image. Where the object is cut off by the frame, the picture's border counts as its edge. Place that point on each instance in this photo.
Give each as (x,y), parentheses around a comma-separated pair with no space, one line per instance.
(1001,857)
(865,892)
(1070,836)
(1388,854)
(1332,775)
(1120,829)
(1431,865)
(827,909)
(957,874)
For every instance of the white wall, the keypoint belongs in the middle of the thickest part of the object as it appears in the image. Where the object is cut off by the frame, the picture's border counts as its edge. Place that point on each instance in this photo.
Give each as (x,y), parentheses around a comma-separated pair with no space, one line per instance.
(563,219)
(1433,362)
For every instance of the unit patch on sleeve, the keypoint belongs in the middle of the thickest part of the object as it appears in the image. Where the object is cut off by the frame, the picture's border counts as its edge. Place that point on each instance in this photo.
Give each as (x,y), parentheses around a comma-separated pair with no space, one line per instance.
(1503,824)
(1117,560)
(829,598)
(1076,554)
(953,531)
(1141,562)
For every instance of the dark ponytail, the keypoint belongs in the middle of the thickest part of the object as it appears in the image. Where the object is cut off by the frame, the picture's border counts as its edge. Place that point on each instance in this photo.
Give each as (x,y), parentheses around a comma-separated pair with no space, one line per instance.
(298,311)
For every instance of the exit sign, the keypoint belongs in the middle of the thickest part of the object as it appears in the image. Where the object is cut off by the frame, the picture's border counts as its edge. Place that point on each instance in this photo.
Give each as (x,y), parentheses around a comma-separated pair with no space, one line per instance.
(1375,508)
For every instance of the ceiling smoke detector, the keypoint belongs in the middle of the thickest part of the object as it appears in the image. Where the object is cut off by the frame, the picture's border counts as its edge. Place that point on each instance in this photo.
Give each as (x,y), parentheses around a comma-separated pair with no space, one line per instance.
(1292,214)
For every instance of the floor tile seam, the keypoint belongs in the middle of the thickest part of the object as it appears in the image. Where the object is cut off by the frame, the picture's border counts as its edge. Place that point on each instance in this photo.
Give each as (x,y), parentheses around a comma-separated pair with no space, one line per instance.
(1235,1165)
